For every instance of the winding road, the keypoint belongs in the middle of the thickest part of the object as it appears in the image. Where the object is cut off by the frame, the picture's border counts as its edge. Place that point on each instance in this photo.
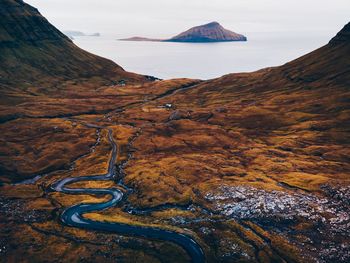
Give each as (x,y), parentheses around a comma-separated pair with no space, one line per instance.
(74,215)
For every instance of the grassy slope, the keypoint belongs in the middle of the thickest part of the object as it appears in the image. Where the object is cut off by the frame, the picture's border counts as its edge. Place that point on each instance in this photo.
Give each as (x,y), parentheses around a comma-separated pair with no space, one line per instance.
(300,111)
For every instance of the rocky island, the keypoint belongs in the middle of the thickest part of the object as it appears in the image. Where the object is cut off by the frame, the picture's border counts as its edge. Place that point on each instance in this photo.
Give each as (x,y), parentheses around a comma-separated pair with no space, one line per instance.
(211,32)
(73,33)
(141,39)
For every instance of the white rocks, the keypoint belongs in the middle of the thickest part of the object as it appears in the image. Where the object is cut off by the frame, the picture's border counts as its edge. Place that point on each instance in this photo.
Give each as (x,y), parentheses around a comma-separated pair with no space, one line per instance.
(242,202)
(328,236)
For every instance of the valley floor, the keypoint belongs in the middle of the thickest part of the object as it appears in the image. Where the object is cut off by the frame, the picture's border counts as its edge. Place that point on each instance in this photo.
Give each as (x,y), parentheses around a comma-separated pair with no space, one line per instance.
(249,180)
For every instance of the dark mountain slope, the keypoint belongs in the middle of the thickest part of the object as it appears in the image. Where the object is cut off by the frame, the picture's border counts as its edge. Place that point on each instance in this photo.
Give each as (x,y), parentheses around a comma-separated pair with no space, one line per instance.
(329,64)
(326,67)
(32,50)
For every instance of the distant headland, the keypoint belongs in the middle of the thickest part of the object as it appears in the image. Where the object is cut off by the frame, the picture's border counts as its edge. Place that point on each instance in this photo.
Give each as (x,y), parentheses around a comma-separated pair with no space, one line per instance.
(72,34)
(212,32)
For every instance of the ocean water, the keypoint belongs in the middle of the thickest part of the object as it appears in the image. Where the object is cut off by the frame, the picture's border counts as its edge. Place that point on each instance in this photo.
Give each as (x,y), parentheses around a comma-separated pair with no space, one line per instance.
(205,60)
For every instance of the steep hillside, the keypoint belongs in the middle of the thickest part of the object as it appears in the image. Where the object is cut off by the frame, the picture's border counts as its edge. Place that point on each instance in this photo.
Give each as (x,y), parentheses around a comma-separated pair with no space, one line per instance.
(31,49)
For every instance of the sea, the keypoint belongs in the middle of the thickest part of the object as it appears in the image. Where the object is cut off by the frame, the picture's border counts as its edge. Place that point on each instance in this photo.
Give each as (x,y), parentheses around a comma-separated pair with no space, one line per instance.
(168,60)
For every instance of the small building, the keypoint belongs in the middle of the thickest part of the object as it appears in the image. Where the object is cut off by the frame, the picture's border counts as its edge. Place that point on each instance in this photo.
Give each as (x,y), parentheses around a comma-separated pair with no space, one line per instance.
(168,106)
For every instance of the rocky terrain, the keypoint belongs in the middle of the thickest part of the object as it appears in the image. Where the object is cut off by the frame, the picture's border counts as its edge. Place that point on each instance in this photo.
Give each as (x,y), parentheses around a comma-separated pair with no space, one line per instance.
(254,167)
(211,32)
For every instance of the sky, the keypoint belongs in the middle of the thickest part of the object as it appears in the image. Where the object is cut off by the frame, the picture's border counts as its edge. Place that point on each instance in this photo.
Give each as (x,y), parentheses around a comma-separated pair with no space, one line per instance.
(165,18)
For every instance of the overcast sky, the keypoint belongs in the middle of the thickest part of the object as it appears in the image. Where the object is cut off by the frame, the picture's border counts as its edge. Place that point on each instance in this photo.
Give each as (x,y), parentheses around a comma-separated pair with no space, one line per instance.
(165,18)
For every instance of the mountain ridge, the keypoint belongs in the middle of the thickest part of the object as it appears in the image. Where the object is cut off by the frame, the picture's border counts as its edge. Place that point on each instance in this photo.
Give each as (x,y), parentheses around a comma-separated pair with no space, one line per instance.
(342,36)
(32,49)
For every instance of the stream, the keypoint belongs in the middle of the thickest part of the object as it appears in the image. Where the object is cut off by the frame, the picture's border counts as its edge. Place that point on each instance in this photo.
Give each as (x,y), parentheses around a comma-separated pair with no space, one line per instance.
(74,215)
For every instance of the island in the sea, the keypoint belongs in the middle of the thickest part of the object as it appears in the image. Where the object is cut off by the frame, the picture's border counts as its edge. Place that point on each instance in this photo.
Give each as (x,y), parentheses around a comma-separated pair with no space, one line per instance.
(73,33)
(212,32)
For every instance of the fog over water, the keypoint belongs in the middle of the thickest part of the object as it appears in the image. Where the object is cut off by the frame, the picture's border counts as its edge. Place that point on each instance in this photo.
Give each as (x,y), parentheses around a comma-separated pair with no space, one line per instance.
(277,31)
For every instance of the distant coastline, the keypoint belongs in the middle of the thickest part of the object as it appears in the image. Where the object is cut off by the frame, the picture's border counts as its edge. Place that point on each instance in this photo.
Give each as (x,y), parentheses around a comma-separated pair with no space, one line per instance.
(73,33)
(141,39)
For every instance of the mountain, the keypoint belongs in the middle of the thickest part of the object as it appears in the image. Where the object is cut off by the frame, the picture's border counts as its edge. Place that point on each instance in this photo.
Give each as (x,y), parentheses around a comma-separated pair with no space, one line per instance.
(32,50)
(212,32)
